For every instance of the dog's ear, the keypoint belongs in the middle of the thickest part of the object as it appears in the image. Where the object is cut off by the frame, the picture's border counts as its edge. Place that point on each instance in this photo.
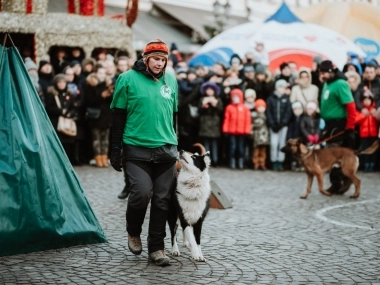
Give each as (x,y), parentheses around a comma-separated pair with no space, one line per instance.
(303,148)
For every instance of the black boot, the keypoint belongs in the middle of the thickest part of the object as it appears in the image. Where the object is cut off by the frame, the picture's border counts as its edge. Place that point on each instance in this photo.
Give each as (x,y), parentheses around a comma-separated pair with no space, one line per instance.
(336,178)
(124,193)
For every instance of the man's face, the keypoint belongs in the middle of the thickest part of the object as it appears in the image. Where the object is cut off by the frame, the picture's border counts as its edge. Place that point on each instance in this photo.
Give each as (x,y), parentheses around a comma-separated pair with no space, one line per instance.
(369,73)
(200,72)
(218,69)
(293,67)
(325,75)
(69,74)
(260,77)
(286,71)
(156,64)
(122,65)
(249,75)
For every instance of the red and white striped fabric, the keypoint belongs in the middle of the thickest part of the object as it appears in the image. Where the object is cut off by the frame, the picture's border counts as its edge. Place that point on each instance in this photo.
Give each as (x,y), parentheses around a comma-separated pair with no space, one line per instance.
(86,7)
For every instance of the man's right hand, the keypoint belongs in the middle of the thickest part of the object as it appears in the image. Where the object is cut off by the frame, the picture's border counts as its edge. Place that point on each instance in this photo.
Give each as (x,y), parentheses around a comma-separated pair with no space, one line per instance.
(115,159)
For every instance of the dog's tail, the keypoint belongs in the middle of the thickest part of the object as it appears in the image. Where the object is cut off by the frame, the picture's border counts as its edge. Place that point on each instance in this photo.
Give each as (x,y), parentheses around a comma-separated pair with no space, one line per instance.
(370,149)
(201,147)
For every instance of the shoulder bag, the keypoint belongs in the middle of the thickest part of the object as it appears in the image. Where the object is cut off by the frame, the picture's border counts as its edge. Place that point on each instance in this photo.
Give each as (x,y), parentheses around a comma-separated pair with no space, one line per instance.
(66,126)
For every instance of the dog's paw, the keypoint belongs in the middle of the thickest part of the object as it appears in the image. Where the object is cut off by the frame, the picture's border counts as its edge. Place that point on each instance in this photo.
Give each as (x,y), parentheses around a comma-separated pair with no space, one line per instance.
(176,253)
(199,258)
(303,196)
(354,196)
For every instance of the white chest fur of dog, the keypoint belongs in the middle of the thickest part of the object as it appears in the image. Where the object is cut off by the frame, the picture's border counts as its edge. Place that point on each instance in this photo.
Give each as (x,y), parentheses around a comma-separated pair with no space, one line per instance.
(193,193)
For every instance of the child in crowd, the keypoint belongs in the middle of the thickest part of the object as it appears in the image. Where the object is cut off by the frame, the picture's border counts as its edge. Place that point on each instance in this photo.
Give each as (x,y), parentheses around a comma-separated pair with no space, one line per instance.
(210,111)
(250,97)
(260,135)
(368,129)
(310,124)
(237,124)
(294,131)
(279,112)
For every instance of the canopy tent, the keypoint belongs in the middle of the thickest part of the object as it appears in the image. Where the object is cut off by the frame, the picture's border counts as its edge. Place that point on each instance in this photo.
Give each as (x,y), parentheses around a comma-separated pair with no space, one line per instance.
(42,204)
(286,38)
(358,21)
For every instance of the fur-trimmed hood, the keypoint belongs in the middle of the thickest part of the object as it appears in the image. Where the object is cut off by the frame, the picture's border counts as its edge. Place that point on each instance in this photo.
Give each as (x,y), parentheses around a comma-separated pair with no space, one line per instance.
(93,81)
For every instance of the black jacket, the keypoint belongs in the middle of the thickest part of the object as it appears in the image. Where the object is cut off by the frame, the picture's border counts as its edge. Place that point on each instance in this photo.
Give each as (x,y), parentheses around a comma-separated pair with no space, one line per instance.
(279,111)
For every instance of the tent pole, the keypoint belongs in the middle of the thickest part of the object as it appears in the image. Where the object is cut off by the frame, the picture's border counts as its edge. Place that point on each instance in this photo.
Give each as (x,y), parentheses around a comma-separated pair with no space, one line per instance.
(7,35)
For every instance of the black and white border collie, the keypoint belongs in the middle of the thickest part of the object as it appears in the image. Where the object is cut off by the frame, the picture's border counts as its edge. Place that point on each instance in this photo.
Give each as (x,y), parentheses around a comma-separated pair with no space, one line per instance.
(190,201)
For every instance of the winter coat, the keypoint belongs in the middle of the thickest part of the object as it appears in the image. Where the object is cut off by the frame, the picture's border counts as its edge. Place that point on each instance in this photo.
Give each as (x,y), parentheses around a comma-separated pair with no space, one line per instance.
(67,100)
(210,119)
(264,88)
(368,126)
(279,111)
(310,125)
(306,93)
(93,99)
(260,129)
(294,128)
(237,118)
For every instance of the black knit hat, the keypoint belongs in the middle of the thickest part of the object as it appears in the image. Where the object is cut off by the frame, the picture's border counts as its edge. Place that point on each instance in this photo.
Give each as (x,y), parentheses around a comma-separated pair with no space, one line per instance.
(326,66)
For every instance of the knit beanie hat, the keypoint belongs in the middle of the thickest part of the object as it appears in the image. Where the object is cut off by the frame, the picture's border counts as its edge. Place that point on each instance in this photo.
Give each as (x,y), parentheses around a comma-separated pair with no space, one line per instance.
(29,64)
(260,103)
(260,69)
(312,105)
(250,93)
(211,85)
(155,47)
(281,83)
(297,104)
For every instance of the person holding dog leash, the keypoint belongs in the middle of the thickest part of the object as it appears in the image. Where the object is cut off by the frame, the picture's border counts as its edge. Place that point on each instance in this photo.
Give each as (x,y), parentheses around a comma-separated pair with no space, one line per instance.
(339,112)
(144,108)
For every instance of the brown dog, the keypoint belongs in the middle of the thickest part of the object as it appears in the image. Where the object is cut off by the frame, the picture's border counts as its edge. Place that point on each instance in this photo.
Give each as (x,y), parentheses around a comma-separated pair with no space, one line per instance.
(317,162)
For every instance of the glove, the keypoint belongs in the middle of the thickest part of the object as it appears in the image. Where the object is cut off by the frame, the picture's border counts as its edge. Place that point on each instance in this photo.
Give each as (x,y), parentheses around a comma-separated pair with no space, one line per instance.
(115,158)
(316,138)
(275,128)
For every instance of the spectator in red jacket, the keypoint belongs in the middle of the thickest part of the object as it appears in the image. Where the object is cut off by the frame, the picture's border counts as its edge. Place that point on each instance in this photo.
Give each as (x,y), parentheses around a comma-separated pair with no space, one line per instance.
(368,129)
(237,125)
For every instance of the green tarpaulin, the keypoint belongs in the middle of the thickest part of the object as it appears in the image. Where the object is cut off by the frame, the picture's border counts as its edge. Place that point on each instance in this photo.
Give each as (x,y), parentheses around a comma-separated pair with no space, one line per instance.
(42,204)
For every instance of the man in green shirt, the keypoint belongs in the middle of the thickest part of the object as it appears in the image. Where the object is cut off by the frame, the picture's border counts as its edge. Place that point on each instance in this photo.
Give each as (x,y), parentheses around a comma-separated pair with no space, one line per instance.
(339,112)
(144,107)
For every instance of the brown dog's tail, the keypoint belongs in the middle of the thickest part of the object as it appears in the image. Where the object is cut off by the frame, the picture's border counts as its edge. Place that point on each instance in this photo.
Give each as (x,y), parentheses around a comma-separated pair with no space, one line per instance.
(370,149)
(201,147)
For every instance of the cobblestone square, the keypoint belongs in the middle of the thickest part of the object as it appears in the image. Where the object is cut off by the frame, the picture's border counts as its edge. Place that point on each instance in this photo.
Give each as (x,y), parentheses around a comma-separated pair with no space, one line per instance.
(270,236)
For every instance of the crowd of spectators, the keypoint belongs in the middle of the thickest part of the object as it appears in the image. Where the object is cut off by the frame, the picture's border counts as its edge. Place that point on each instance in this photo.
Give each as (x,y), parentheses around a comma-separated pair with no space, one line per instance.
(241,112)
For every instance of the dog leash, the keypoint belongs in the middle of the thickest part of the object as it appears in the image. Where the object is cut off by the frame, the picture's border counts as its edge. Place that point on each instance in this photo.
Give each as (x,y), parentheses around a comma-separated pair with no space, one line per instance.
(327,139)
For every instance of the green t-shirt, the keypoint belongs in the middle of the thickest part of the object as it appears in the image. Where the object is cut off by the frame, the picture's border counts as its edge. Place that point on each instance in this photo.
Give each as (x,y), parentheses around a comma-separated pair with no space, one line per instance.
(334,97)
(150,106)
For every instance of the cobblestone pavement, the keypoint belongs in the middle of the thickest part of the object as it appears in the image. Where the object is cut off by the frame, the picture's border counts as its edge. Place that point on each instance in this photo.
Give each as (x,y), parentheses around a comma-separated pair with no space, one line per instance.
(270,236)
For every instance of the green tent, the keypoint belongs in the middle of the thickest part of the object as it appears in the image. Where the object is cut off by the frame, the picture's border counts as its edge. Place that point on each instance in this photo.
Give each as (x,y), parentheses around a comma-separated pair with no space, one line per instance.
(42,204)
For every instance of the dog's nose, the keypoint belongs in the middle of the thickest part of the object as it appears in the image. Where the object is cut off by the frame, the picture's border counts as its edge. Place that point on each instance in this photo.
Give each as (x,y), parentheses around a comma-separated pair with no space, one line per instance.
(181,151)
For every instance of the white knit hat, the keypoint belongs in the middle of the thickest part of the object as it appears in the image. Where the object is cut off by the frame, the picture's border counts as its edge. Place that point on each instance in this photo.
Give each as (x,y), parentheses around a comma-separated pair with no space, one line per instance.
(312,105)
(297,104)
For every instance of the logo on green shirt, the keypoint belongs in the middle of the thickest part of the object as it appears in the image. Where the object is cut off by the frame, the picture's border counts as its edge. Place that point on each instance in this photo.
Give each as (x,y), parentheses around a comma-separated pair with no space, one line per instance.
(166,91)
(326,94)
